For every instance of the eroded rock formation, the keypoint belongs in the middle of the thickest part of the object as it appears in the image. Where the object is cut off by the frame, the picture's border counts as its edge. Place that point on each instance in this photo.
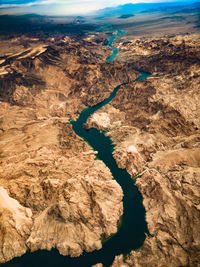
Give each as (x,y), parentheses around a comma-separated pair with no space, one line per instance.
(63,196)
(155,126)
(51,181)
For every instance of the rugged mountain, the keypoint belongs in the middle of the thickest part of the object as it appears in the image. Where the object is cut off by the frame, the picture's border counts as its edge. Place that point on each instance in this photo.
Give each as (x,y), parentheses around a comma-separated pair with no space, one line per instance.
(155,126)
(54,192)
(140,8)
(52,185)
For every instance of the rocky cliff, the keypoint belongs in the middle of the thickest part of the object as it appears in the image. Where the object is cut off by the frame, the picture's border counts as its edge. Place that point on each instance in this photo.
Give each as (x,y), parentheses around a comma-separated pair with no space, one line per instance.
(55,193)
(155,126)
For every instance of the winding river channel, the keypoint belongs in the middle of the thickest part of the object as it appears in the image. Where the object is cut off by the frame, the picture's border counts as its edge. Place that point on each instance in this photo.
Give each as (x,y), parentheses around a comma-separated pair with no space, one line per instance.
(133,228)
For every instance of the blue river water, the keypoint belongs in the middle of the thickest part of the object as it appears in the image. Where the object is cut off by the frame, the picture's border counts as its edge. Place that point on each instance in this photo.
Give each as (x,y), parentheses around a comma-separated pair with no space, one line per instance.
(115,50)
(133,227)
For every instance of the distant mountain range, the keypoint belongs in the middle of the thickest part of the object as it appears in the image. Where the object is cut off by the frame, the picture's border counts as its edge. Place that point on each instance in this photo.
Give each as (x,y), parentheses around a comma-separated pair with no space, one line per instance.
(133,9)
(40,26)
(37,25)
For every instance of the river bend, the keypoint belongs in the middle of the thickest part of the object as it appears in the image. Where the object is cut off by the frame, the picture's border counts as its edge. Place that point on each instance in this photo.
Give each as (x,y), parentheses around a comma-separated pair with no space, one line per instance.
(132,231)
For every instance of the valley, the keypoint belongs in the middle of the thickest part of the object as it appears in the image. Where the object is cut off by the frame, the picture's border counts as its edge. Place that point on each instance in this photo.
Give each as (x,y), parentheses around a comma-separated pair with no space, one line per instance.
(100,144)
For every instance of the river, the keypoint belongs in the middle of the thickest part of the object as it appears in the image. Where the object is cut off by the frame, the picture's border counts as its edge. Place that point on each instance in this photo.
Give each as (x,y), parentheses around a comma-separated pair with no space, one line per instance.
(133,228)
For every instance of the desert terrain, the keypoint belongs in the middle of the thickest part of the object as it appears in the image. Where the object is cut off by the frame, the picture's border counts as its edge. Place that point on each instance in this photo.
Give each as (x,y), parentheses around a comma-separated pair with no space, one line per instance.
(54,191)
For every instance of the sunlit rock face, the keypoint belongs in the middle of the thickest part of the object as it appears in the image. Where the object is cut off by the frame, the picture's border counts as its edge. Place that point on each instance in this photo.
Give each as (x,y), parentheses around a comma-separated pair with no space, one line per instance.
(57,194)
(155,126)
(60,196)
(16,222)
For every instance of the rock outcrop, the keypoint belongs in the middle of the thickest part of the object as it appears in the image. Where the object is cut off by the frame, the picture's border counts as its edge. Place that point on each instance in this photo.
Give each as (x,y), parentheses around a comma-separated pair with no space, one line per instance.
(16,223)
(55,194)
(155,126)
(61,195)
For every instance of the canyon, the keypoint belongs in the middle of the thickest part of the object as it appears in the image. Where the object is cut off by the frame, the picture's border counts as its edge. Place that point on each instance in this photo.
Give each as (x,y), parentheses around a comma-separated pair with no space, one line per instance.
(55,192)
(154,125)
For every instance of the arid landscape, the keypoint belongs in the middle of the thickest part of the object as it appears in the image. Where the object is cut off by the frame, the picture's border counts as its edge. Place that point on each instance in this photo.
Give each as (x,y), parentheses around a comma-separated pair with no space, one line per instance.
(54,190)
(155,126)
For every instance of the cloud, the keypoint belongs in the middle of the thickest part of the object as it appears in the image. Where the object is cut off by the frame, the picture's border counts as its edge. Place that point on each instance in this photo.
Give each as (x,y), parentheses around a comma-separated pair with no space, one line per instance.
(80,3)
(63,7)
(44,2)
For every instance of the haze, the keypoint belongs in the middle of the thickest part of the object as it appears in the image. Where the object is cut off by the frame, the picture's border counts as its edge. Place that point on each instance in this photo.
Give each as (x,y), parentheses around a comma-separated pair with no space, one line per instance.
(63,7)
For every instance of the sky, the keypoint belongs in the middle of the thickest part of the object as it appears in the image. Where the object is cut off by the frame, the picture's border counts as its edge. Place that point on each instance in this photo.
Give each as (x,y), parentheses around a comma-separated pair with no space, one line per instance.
(63,7)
